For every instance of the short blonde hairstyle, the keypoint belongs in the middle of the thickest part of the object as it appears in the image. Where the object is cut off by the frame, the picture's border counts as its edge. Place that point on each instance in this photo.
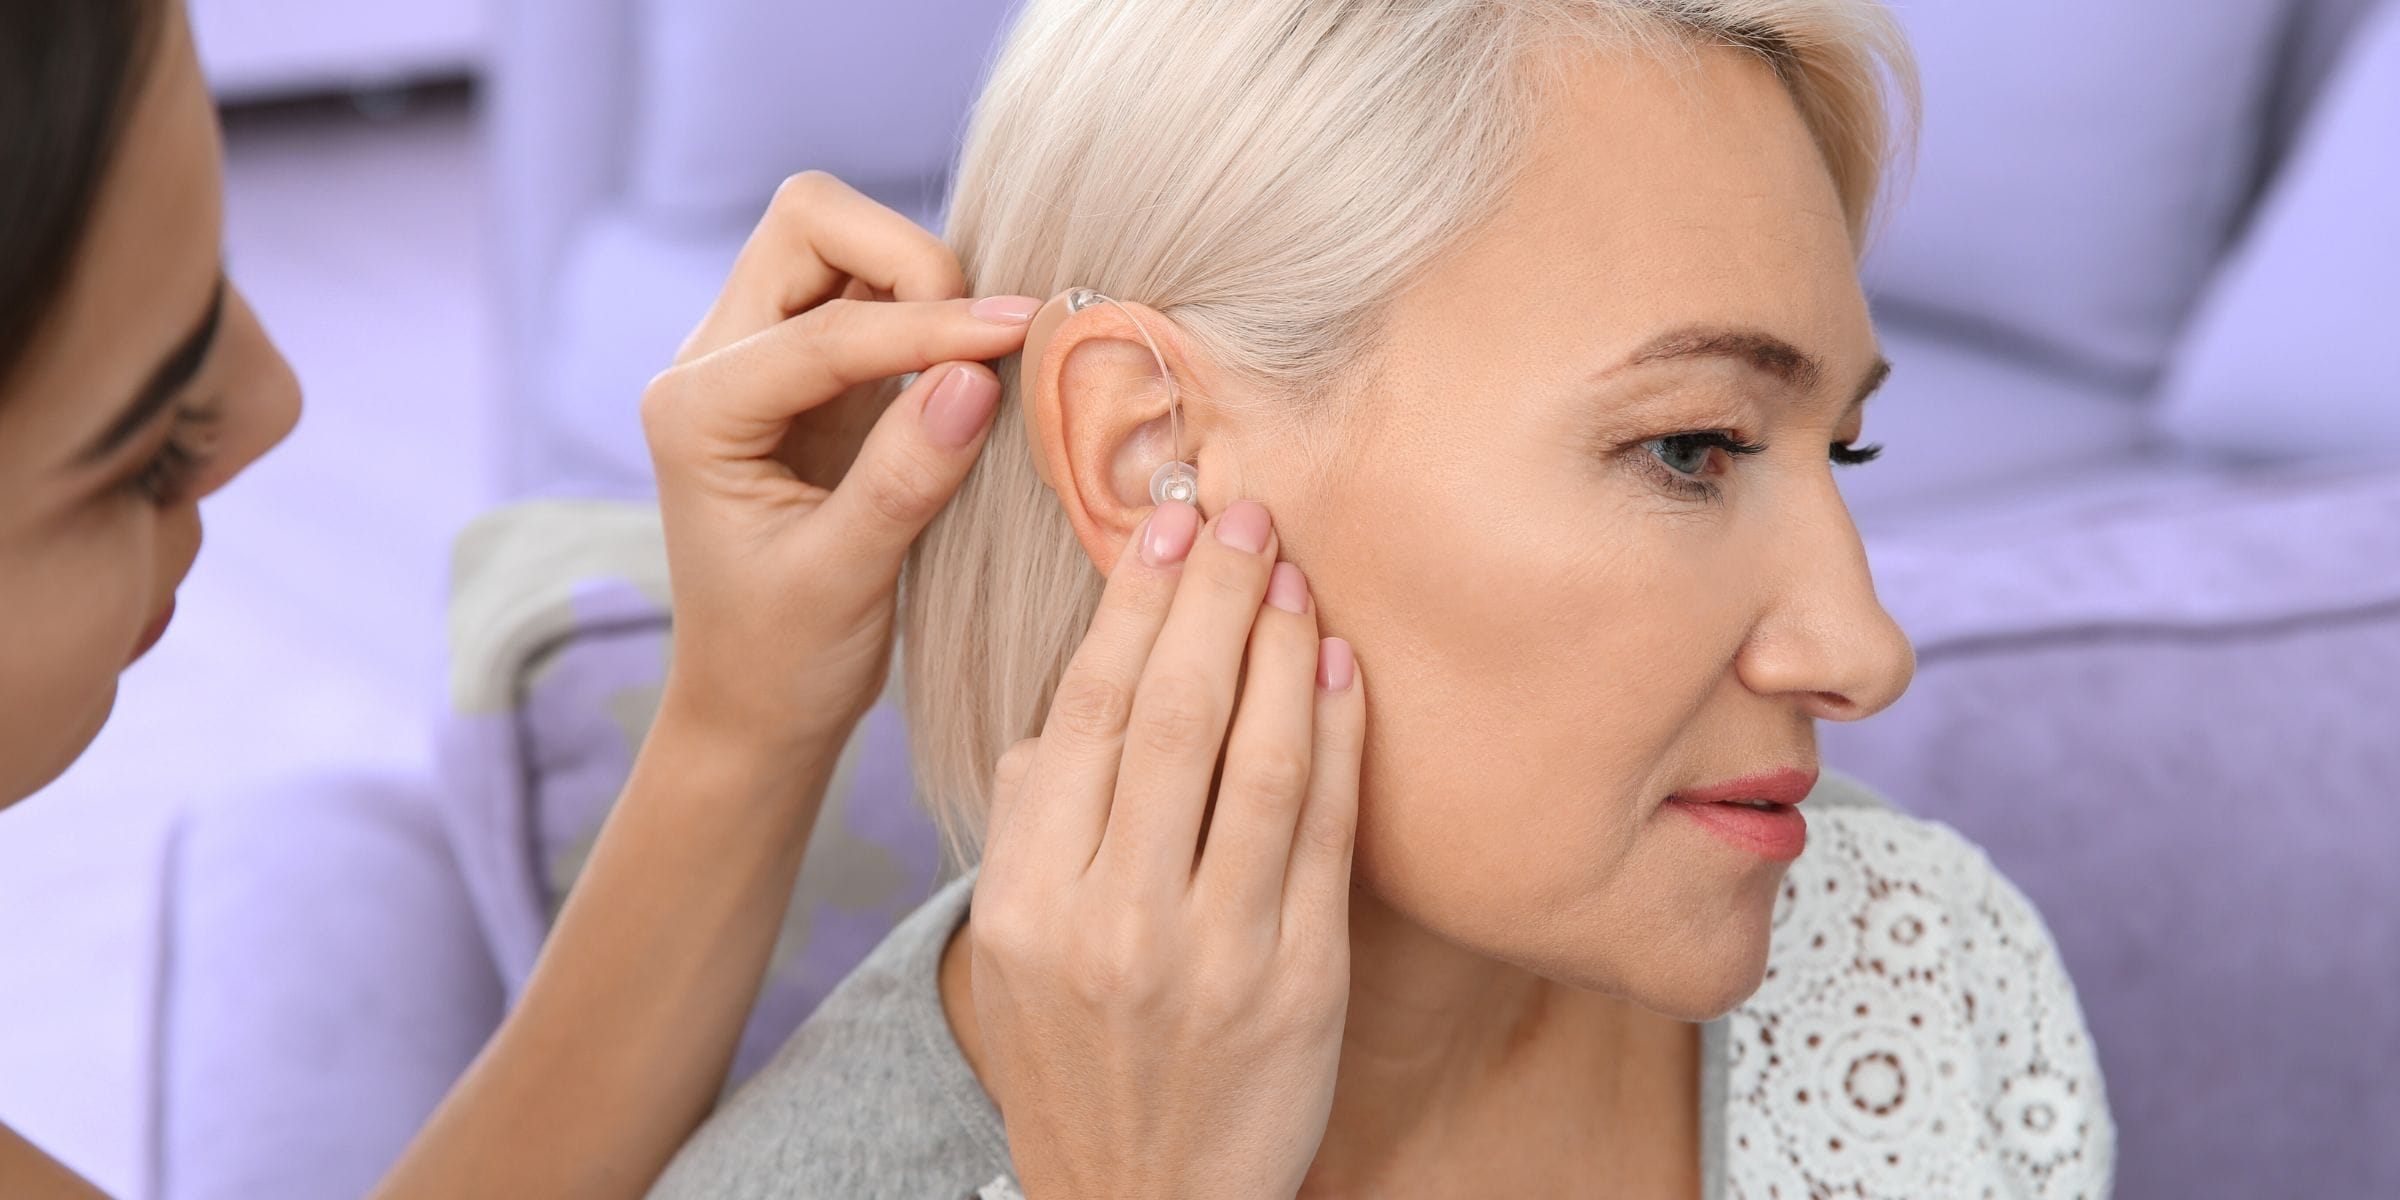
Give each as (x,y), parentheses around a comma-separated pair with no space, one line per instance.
(1267,174)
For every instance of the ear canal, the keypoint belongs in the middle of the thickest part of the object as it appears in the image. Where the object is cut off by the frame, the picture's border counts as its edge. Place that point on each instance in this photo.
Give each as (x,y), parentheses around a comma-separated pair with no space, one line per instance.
(1175,480)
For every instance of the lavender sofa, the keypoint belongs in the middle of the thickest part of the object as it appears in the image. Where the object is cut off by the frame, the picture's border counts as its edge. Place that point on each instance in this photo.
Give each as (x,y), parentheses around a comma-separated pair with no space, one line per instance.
(2140,512)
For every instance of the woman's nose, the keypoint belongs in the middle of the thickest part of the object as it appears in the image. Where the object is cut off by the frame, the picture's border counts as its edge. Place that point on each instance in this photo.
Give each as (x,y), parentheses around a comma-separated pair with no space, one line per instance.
(1825,638)
(263,396)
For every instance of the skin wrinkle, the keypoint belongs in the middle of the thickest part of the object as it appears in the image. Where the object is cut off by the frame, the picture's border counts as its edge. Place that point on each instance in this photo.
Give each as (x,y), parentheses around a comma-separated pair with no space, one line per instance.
(1558,639)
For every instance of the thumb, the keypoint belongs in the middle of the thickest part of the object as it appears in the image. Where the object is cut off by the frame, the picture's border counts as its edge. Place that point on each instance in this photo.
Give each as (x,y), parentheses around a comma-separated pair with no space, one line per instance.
(912,462)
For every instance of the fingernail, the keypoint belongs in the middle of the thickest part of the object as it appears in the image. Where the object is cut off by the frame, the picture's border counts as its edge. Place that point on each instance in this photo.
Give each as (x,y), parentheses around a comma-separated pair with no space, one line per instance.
(1244,526)
(1336,667)
(960,406)
(1169,536)
(1287,589)
(1006,310)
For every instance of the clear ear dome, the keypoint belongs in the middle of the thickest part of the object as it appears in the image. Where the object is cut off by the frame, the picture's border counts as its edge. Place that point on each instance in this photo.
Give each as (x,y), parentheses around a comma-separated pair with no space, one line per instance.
(1175,481)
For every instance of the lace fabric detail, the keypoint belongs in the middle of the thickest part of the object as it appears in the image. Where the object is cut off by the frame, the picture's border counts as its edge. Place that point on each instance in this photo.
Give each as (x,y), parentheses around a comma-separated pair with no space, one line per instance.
(1916,1034)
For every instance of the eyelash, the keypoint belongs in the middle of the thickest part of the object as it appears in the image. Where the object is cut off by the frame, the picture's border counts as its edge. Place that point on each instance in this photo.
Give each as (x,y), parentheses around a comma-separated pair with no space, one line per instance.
(1843,454)
(168,476)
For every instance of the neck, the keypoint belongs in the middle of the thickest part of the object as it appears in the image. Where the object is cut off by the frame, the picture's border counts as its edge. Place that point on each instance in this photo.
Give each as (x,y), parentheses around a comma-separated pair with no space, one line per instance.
(1454,1060)
(1458,1070)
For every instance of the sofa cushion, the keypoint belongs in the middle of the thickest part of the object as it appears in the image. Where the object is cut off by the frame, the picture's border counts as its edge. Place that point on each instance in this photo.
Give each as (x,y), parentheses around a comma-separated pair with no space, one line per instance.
(321,984)
(1957,416)
(2291,354)
(737,94)
(2161,720)
(2082,167)
(560,634)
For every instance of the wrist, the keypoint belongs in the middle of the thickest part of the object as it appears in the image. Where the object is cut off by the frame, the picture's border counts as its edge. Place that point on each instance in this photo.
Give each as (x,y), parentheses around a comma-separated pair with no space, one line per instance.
(706,758)
(701,716)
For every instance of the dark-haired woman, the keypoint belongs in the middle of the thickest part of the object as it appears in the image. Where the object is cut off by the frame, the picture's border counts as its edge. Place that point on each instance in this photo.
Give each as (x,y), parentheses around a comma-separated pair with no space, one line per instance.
(135,381)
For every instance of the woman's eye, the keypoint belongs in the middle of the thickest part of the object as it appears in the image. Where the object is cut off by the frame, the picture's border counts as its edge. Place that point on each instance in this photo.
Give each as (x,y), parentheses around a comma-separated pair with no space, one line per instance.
(1846,455)
(1682,460)
(1679,461)
(1687,453)
(167,478)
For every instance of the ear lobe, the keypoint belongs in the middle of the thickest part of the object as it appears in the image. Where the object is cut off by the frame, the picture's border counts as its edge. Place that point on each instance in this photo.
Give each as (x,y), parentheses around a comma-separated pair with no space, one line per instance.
(1096,415)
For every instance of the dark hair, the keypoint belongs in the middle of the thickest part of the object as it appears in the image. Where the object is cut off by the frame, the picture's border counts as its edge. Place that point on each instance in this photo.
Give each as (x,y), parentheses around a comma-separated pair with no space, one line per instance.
(69,70)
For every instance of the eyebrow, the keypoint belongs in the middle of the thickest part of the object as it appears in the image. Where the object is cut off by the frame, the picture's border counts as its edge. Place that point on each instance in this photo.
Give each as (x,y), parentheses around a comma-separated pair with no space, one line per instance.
(1762,351)
(174,371)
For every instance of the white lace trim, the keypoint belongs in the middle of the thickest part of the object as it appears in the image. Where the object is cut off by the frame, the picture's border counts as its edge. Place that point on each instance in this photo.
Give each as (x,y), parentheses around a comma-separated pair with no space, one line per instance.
(1916,1035)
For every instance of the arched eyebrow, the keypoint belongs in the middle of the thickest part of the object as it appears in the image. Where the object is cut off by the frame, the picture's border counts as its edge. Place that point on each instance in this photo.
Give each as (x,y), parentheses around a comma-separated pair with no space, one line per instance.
(173,372)
(1763,351)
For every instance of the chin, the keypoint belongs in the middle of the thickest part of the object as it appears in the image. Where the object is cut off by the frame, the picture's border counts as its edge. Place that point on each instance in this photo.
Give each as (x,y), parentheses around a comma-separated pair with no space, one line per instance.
(1725,969)
(1695,973)
(1708,990)
(45,768)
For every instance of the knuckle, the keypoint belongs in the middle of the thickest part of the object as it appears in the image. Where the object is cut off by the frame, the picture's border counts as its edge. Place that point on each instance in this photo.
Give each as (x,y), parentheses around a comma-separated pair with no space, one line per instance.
(838,318)
(1239,976)
(900,489)
(661,397)
(1341,728)
(1326,833)
(1340,741)
(1228,575)
(803,187)
(1115,964)
(1005,934)
(1278,773)
(1178,714)
(1089,705)
(1015,762)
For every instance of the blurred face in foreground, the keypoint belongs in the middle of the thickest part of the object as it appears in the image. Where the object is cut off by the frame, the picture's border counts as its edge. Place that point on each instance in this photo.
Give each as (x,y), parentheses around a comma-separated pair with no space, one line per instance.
(150,386)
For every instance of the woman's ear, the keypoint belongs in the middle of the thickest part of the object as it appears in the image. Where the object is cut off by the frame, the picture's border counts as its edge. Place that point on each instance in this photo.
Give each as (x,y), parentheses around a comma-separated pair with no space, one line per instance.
(1096,413)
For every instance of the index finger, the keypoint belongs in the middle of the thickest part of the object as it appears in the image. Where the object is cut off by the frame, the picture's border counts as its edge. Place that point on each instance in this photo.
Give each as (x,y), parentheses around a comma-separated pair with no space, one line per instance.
(1074,774)
(740,400)
(818,235)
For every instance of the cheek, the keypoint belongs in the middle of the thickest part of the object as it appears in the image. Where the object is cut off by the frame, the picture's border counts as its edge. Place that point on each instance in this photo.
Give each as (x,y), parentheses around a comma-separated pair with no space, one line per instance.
(76,608)
(1537,648)
(1530,671)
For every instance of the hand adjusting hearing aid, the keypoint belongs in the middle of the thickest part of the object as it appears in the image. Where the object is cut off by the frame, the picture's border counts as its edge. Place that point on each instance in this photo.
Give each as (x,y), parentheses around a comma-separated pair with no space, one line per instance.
(1175,479)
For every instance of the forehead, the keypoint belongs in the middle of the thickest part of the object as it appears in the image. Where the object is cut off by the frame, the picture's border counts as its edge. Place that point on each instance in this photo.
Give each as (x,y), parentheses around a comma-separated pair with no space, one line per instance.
(1662,189)
(145,272)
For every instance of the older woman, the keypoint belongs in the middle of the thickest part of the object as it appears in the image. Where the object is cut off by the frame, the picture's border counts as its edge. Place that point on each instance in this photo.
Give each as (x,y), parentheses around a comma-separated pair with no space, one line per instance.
(1536,324)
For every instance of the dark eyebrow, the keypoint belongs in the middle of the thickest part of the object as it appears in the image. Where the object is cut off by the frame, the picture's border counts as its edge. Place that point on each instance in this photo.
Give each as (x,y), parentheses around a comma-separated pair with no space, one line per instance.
(1760,350)
(173,372)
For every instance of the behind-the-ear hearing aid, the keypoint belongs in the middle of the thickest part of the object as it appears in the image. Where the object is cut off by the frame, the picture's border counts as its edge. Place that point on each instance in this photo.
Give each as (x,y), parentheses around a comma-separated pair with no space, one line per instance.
(1176,478)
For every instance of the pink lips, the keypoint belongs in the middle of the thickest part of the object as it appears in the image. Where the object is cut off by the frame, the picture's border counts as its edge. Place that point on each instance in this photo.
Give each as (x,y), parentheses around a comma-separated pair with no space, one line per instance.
(157,630)
(1779,833)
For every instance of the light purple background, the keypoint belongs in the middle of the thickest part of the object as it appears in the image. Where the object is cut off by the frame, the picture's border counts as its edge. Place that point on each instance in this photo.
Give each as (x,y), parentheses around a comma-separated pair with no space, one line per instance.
(2093,295)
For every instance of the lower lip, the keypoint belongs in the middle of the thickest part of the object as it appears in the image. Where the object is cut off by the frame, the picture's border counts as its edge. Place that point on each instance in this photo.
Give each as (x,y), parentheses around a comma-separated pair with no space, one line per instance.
(157,630)
(1779,833)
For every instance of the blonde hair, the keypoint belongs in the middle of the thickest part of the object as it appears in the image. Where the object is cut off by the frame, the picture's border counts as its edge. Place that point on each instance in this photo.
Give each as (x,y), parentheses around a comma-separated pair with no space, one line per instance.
(1267,174)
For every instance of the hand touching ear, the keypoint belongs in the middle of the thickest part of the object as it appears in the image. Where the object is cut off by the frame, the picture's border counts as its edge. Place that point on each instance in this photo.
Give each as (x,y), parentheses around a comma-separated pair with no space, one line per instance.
(783,626)
(1160,950)
(786,521)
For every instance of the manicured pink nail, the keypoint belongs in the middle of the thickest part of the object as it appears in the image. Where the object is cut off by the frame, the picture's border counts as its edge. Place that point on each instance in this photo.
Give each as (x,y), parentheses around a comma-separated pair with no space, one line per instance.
(1336,667)
(1287,589)
(1244,526)
(1006,310)
(1172,528)
(960,406)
